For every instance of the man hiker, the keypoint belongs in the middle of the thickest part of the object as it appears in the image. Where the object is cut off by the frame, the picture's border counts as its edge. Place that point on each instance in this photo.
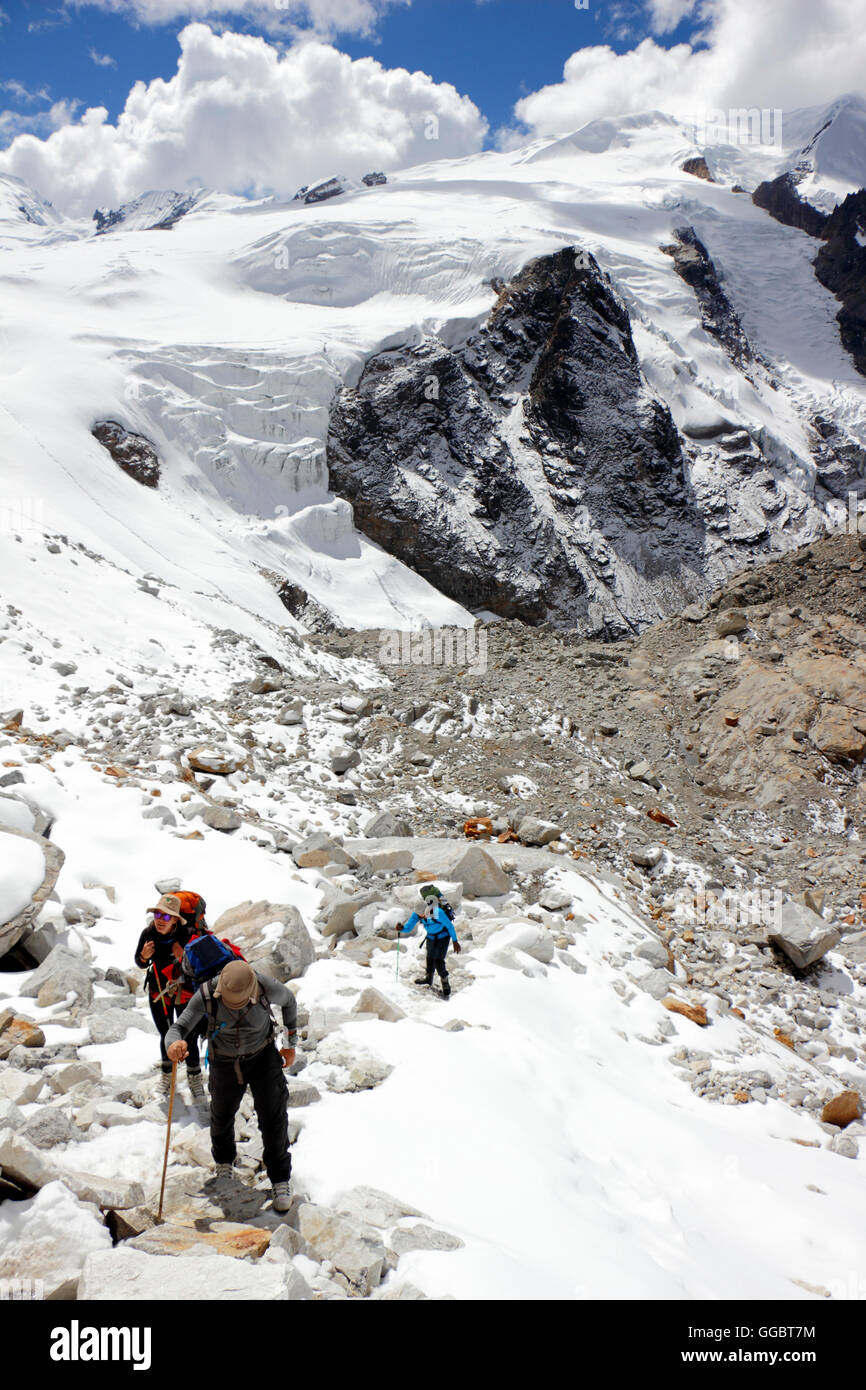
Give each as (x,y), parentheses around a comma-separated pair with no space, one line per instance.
(160,950)
(440,931)
(235,1006)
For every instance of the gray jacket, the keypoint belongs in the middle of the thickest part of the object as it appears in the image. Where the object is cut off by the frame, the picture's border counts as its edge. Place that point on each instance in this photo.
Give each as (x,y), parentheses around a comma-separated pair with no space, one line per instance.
(238,1032)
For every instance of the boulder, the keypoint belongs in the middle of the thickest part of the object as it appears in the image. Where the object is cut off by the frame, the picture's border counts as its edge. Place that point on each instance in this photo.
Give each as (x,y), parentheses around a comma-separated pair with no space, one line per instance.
(218,762)
(135,1277)
(292,713)
(372,1002)
(525,936)
(22,1161)
(843,1109)
(112,1025)
(75,1074)
(64,973)
(373,1208)
(472,867)
(272,937)
(107,1113)
(227,1238)
(696,1013)
(802,934)
(318,850)
(656,983)
(20,1032)
(532,831)
(555,899)
(730,623)
(354,1249)
(840,734)
(21,1087)
(50,1127)
(385,826)
(338,910)
(221,818)
(420,1237)
(48,1239)
(344,758)
(654,952)
(29,866)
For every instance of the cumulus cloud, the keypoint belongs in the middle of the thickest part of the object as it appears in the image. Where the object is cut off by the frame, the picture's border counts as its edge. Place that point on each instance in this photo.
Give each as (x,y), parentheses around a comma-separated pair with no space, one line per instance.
(324,16)
(241,115)
(779,53)
(58,115)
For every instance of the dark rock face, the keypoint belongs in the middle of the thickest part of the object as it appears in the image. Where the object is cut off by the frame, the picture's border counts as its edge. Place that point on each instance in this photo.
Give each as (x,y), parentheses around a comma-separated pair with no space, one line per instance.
(371,180)
(841,266)
(178,206)
(131,452)
(840,460)
(693,264)
(779,197)
(298,602)
(699,167)
(524,472)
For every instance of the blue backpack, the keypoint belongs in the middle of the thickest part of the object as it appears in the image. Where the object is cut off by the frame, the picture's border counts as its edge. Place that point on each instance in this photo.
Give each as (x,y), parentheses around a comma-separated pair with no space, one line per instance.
(205,957)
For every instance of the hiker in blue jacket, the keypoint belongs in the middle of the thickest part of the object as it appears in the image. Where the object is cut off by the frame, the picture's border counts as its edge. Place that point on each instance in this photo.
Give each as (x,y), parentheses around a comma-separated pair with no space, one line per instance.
(440,931)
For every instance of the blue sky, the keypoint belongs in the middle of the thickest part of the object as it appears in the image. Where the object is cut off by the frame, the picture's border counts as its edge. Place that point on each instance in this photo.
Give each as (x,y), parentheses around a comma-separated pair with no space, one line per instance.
(494,52)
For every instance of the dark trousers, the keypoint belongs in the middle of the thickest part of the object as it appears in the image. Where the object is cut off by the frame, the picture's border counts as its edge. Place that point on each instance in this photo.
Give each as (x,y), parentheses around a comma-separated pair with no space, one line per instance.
(437,950)
(164,1018)
(264,1076)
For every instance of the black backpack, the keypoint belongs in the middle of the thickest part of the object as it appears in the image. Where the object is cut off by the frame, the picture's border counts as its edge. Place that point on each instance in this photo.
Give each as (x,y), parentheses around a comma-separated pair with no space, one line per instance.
(430,891)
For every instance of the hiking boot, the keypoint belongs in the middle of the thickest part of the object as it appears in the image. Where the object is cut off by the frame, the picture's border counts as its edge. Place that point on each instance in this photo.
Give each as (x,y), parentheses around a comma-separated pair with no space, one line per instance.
(196,1085)
(446,989)
(282,1196)
(424,980)
(223,1171)
(164,1083)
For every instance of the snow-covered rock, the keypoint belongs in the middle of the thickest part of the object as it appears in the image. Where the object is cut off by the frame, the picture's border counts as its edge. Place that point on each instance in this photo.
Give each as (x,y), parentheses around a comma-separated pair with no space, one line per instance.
(48,1238)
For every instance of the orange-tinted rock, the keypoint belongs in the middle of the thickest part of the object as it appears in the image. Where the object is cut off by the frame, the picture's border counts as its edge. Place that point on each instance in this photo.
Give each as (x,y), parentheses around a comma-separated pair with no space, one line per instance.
(843,1109)
(695,1012)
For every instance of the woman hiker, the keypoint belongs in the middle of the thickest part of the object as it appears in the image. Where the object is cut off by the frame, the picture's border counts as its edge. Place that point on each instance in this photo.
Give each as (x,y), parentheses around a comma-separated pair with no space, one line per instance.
(160,951)
(236,1009)
(440,931)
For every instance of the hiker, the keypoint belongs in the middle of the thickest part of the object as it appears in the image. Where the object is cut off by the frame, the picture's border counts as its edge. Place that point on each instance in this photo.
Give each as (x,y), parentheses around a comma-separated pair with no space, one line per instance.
(160,951)
(236,1008)
(436,916)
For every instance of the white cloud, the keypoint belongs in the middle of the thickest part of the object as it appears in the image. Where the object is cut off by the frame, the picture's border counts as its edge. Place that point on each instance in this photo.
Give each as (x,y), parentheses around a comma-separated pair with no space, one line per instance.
(778,53)
(325,16)
(22,93)
(102,60)
(241,115)
(14,124)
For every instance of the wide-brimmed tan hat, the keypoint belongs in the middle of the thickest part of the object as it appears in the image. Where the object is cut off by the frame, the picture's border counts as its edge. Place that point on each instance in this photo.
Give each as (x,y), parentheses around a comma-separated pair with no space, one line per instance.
(168,903)
(237,985)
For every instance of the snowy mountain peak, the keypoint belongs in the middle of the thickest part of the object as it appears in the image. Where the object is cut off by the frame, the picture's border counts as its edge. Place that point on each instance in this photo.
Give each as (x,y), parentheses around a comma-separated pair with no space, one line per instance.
(156,210)
(826,149)
(20,203)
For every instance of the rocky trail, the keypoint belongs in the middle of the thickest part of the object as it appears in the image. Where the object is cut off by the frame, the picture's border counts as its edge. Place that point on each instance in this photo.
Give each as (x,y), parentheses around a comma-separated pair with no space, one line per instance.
(672,857)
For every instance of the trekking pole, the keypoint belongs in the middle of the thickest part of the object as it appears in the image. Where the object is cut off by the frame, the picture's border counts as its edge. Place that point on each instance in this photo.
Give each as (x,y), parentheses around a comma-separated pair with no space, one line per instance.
(167,1140)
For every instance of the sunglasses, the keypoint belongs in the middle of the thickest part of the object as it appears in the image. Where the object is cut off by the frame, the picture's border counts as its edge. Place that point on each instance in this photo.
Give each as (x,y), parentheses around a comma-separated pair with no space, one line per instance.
(163,917)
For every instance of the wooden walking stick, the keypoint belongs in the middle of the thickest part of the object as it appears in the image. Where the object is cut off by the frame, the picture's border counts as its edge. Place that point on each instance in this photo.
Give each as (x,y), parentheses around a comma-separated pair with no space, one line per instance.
(167,1139)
